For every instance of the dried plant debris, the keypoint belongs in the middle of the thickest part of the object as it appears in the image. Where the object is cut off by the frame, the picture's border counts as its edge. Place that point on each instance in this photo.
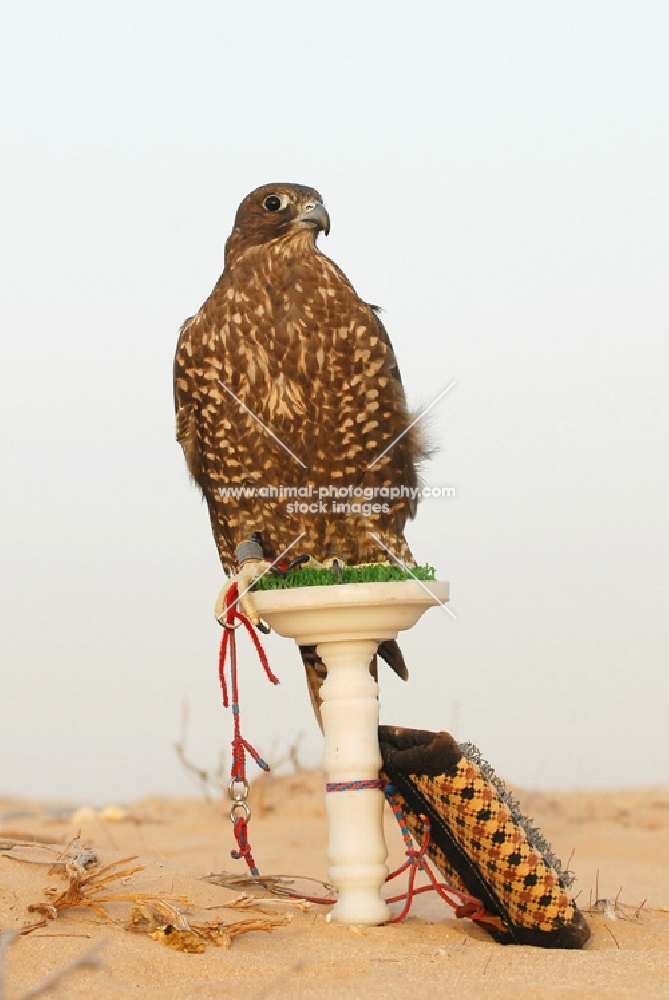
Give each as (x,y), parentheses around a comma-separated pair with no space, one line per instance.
(191,936)
(41,852)
(277,885)
(222,934)
(21,838)
(180,940)
(606,906)
(144,918)
(36,852)
(90,889)
(158,915)
(613,909)
(246,901)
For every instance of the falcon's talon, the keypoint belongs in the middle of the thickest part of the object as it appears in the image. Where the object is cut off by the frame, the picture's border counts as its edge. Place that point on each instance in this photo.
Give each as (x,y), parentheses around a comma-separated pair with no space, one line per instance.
(298,562)
(263,627)
(295,563)
(328,563)
(249,571)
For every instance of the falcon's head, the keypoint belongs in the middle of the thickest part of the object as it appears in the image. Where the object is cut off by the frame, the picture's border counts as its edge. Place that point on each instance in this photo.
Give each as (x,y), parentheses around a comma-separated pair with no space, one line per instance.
(275,211)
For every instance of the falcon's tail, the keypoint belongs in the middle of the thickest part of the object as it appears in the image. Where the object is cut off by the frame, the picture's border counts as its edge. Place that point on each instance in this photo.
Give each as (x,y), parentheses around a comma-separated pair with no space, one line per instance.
(392,654)
(317,672)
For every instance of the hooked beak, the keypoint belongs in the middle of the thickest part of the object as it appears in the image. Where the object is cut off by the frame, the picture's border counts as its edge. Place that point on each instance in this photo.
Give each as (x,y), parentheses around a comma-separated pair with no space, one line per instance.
(315,214)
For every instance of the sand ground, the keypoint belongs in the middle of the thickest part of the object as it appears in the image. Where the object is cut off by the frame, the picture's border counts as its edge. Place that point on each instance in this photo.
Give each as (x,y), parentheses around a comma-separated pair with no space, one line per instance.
(623,835)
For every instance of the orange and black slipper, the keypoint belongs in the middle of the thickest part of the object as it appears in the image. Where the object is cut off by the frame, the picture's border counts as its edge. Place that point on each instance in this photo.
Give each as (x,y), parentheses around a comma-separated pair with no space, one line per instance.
(479,840)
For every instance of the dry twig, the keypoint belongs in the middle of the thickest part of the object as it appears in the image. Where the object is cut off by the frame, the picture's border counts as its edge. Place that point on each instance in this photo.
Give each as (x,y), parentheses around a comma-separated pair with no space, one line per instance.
(192,937)
(615,939)
(245,901)
(89,889)
(278,885)
(152,914)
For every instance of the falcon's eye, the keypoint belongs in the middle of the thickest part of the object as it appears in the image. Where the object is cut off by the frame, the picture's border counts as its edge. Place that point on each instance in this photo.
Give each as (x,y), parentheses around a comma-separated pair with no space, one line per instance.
(273,203)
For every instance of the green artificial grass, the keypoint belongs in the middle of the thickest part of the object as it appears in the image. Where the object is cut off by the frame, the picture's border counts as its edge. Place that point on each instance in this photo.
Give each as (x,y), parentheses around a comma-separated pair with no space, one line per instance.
(350,574)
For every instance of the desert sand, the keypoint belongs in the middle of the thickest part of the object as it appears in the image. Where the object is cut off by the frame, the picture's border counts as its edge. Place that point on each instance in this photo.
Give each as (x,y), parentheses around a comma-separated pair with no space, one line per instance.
(622,835)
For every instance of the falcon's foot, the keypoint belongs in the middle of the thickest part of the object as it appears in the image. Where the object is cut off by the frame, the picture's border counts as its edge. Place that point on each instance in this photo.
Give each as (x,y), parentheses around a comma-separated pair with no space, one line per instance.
(251,566)
(335,563)
(248,573)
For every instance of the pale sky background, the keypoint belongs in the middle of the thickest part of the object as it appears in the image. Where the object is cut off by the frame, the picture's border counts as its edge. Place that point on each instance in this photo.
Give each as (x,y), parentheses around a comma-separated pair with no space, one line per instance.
(497,178)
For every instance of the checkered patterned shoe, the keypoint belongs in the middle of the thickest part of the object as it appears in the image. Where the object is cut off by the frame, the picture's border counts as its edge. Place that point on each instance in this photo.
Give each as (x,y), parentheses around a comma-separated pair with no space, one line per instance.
(480,841)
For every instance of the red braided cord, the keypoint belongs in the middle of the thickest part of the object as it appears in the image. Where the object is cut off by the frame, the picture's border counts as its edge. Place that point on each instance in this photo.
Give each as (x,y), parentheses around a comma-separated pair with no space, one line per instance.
(225,638)
(233,613)
(240,831)
(468,906)
(240,746)
(463,904)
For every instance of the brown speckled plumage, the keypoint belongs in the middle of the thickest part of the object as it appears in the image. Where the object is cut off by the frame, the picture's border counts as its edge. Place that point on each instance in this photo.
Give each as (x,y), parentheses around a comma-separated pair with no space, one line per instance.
(286,332)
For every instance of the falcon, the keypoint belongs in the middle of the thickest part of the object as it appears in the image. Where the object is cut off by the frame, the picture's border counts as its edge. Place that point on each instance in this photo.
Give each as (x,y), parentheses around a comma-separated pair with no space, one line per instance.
(286,386)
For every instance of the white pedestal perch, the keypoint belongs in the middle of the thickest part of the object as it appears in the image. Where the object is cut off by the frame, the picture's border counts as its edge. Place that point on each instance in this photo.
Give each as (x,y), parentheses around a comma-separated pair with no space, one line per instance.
(346,623)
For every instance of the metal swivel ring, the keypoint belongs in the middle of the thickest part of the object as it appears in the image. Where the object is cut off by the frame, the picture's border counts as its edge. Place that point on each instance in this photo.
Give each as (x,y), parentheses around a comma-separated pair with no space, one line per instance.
(235,795)
(240,805)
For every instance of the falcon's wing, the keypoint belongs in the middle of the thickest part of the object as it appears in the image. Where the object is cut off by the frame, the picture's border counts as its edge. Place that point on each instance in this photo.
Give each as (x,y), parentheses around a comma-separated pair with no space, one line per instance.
(186,403)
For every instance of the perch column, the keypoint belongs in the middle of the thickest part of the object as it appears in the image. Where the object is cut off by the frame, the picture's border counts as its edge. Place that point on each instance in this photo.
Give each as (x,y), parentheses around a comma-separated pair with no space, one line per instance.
(357,848)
